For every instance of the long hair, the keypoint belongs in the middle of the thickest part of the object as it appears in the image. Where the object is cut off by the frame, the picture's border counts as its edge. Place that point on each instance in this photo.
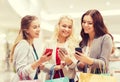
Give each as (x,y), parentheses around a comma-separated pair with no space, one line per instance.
(98,24)
(25,24)
(71,40)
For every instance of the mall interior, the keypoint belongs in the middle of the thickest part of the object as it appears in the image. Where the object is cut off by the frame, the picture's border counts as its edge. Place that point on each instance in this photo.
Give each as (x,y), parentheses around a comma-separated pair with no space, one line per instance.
(49,11)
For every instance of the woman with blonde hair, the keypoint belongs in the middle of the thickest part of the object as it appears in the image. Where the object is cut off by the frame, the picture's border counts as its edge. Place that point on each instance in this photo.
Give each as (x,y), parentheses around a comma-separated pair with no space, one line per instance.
(63,44)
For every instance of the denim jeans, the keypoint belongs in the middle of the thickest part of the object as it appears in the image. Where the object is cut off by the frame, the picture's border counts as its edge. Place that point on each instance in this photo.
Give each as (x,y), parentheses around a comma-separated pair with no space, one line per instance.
(71,80)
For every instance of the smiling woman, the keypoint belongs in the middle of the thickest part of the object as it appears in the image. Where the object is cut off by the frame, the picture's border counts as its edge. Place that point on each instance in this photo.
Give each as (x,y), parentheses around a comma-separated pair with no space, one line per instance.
(63,44)
(27,63)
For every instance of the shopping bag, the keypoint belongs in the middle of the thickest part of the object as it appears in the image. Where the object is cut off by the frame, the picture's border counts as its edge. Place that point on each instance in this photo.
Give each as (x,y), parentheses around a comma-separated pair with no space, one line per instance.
(61,79)
(29,81)
(88,77)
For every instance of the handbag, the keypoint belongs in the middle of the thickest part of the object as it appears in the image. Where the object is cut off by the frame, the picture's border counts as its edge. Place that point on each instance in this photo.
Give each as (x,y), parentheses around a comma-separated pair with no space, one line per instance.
(61,79)
(88,77)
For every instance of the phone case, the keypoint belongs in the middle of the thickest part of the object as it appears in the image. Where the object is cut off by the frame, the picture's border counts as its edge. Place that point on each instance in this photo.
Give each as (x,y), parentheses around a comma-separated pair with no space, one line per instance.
(48,50)
(79,49)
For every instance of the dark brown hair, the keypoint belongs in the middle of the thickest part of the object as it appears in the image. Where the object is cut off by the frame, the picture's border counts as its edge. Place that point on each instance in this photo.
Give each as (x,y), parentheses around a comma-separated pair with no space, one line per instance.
(98,24)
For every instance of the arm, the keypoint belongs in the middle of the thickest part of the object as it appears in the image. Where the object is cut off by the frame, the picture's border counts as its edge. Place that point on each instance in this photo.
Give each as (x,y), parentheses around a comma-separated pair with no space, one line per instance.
(25,63)
(106,48)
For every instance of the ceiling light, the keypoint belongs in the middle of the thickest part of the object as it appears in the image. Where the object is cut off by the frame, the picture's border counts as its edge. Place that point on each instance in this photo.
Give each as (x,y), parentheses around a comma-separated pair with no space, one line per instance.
(107,3)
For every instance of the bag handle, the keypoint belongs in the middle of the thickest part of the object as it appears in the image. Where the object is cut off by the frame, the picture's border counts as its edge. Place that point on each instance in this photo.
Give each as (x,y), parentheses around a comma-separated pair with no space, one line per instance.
(38,69)
(52,72)
(102,68)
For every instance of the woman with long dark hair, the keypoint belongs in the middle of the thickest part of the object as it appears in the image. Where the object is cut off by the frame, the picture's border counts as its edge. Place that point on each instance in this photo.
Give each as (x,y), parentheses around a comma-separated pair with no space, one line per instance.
(96,43)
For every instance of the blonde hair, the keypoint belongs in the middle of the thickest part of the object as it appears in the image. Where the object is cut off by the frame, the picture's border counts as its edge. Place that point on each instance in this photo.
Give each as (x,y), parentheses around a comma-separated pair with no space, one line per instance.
(71,40)
(25,24)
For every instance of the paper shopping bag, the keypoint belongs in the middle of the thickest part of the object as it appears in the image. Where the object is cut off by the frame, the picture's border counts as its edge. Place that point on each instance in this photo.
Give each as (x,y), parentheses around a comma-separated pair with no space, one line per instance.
(88,77)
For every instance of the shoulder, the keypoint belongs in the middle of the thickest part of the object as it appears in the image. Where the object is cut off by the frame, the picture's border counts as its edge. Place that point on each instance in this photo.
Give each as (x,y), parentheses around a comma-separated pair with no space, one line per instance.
(104,37)
(23,44)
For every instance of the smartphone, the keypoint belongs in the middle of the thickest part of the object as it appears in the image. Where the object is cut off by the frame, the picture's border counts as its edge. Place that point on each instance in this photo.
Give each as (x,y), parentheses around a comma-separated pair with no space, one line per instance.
(48,50)
(79,49)
(63,49)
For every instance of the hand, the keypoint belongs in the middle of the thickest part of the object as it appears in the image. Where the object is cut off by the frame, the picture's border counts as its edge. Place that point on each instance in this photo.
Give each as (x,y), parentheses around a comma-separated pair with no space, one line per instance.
(63,64)
(64,56)
(83,58)
(77,55)
(40,61)
(41,67)
(81,65)
(45,57)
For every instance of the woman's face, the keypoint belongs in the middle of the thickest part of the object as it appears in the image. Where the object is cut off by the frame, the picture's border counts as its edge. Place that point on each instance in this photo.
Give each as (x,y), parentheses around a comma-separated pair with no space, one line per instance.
(87,24)
(34,29)
(65,28)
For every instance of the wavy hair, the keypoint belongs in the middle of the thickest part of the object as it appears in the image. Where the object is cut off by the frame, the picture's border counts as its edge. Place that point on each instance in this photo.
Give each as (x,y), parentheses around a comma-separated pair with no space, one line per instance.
(25,24)
(71,40)
(98,24)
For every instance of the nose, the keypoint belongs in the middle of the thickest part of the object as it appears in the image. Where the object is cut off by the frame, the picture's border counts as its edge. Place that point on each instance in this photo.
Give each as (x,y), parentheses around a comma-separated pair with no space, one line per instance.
(38,29)
(67,28)
(86,24)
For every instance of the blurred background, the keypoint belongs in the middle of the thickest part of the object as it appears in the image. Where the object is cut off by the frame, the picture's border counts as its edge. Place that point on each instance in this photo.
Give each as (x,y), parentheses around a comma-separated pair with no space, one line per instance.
(49,11)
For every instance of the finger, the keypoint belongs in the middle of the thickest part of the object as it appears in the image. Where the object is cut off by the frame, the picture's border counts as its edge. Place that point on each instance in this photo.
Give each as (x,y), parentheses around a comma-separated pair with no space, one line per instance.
(78,53)
(61,55)
(64,50)
(61,52)
(48,54)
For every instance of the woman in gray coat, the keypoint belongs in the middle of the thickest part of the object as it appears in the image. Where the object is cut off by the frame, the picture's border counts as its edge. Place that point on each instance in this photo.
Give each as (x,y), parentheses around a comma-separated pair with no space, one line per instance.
(96,43)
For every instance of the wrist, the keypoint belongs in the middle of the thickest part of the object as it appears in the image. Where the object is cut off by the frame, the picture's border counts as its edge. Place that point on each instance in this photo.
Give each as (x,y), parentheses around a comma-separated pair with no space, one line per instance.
(36,64)
(57,67)
(91,62)
(68,61)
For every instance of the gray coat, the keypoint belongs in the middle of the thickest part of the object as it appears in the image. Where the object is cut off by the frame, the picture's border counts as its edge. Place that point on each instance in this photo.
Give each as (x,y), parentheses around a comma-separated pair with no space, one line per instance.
(100,50)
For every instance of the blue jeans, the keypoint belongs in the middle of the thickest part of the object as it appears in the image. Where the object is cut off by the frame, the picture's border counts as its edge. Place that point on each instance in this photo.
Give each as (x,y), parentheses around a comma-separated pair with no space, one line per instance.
(71,80)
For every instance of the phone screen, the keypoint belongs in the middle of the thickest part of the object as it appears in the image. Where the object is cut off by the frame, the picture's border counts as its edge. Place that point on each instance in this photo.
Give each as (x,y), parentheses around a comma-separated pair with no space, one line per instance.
(48,50)
(79,49)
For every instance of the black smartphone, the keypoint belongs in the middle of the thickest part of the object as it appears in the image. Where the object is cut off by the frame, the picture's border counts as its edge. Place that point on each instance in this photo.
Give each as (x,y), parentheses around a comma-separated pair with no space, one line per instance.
(79,49)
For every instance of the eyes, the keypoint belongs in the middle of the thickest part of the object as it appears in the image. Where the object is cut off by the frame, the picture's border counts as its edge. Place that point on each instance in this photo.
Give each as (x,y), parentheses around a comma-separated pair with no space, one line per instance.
(65,26)
(36,26)
(87,22)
